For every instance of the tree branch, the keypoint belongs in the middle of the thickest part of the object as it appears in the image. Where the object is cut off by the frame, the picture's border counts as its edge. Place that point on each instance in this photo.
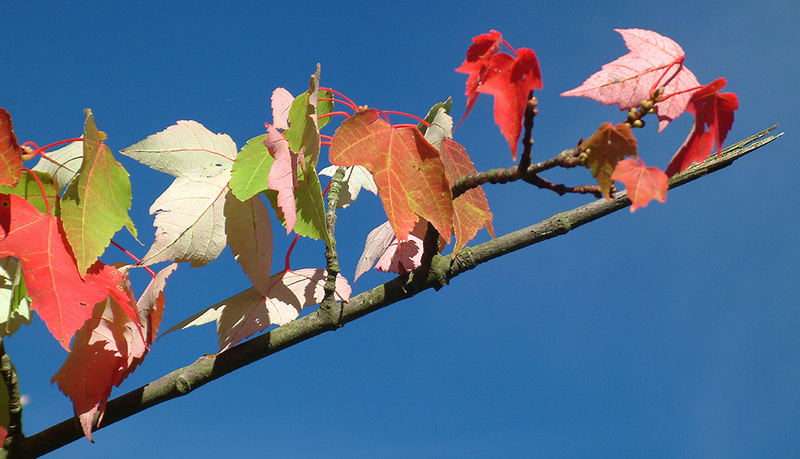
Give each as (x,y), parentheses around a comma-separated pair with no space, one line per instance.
(208,368)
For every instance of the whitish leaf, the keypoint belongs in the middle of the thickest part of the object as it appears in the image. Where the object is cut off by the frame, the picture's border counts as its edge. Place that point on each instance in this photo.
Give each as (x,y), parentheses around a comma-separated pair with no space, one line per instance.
(391,254)
(190,218)
(441,128)
(250,312)
(14,305)
(63,165)
(355,179)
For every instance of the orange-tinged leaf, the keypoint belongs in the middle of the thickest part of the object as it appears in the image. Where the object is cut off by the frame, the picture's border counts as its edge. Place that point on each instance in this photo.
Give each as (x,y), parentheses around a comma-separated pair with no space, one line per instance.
(642,183)
(605,148)
(407,169)
(712,109)
(10,151)
(471,209)
(62,298)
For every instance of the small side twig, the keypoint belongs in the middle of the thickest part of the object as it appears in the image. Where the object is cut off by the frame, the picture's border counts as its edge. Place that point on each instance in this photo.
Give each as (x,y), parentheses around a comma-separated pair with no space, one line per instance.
(9,377)
(329,303)
(563,189)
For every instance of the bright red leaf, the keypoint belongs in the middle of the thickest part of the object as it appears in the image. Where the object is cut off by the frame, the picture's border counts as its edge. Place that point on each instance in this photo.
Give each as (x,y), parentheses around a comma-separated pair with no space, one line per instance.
(653,61)
(10,151)
(407,169)
(477,64)
(63,300)
(712,109)
(107,349)
(642,183)
(508,78)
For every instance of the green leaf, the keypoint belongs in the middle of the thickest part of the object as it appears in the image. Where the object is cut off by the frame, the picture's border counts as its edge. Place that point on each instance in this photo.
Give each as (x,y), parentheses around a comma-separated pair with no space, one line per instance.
(251,169)
(14,302)
(95,204)
(28,188)
(446,105)
(310,207)
(303,129)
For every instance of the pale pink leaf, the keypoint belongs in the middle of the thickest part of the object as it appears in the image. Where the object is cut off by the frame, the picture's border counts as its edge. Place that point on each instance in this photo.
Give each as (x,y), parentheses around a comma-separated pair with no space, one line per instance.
(281,103)
(390,253)
(250,312)
(283,175)
(653,60)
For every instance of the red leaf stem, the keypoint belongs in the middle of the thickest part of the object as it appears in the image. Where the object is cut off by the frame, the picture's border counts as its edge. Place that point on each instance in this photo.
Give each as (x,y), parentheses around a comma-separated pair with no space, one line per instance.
(134,257)
(351,104)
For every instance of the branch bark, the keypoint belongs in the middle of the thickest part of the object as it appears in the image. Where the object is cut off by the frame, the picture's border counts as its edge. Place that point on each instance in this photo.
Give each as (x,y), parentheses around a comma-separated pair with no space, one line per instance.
(443,268)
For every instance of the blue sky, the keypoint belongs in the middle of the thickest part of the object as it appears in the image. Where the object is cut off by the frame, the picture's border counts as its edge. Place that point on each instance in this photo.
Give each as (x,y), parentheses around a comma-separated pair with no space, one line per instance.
(668,332)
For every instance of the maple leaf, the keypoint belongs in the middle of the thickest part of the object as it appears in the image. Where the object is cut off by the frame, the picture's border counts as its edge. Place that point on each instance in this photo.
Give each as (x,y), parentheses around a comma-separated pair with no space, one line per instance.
(267,165)
(477,64)
(434,112)
(249,231)
(356,178)
(712,109)
(250,312)
(653,61)
(281,102)
(510,80)
(10,151)
(604,149)
(107,349)
(63,165)
(471,209)
(190,221)
(14,305)
(642,183)
(391,254)
(95,205)
(441,127)
(283,175)
(407,170)
(58,293)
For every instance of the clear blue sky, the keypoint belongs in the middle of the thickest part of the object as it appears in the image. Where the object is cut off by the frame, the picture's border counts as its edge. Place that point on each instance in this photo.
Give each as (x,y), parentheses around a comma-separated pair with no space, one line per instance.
(669,332)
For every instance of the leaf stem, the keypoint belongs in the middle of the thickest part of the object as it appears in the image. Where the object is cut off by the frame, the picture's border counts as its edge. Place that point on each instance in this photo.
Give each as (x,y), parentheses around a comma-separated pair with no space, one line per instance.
(394,112)
(351,104)
(133,257)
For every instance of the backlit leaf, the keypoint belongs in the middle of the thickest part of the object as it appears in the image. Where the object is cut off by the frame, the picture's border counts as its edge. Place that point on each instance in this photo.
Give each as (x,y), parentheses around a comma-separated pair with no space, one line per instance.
(95,205)
(641,182)
(605,148)
(14,305)
(407,170)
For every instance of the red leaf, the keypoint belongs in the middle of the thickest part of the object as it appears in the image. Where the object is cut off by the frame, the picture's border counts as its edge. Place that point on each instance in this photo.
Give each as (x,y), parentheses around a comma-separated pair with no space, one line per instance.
(642,183)
(653,61)
(477,64)
(509,79)
(407,169)
(107,349)
(471,209)
(64,300)
(10,152)
(709,109)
